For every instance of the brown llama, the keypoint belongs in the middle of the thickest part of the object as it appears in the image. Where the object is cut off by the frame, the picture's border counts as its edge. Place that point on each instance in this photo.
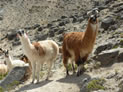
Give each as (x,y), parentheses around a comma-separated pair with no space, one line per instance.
(78,45)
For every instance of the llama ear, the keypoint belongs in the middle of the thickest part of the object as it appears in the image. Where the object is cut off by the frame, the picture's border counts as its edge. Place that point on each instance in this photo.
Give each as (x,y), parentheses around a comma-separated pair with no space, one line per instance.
(7,51)
(89,13)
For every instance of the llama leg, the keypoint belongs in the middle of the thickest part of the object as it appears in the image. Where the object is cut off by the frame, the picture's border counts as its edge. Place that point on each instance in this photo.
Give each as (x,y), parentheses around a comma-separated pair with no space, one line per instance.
(41,66)
(49,70)
(73,67)
(38,71)
(33,71)
(80,70)
(65,61)
(80,62)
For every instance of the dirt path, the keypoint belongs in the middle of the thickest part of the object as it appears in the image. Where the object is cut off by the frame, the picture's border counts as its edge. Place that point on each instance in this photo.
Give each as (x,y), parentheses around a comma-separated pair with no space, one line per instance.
(57,83)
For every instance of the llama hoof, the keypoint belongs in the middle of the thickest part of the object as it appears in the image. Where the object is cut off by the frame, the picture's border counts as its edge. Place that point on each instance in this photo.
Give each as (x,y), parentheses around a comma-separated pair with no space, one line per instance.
(37,82)
(80,72)
(32,82)
(66,76)
(67,73)
(74,72)
(46,79)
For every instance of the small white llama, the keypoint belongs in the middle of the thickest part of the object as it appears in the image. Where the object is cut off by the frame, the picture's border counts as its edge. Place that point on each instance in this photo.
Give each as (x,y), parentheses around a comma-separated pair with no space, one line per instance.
(13,63)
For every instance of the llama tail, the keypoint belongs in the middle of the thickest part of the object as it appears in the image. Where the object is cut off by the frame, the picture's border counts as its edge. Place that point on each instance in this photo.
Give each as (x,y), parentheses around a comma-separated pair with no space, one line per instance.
(60,49)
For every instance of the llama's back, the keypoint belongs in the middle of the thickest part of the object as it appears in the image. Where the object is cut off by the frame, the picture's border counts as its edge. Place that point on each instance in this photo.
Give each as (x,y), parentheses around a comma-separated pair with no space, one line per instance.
(19,63)
(50,48)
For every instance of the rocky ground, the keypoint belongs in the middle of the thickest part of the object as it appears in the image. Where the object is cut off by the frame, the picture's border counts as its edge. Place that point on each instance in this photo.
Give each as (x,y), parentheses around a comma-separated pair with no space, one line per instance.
(49,19)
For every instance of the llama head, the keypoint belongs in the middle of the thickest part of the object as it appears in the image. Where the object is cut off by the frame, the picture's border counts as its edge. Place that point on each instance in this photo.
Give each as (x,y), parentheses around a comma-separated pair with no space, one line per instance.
(6,52)
(21,34)
(93,15)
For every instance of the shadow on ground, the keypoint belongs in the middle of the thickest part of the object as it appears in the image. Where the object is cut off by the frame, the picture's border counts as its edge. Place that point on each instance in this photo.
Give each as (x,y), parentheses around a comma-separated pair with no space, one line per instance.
(74,79)
(33,86)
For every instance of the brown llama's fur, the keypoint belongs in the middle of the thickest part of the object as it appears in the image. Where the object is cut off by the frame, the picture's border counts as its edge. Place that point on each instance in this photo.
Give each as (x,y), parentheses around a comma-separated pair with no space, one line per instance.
(28,72)
(78,45)
(39,48)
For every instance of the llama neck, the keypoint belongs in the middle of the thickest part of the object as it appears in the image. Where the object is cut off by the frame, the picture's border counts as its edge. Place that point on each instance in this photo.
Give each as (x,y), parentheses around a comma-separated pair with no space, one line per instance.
(90,33)
(9,61)
(26,43)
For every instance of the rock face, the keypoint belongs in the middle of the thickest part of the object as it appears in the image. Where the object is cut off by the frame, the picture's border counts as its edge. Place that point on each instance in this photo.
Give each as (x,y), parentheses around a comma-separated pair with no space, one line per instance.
(108,57)
(107,22)
(15,75)
(103,47)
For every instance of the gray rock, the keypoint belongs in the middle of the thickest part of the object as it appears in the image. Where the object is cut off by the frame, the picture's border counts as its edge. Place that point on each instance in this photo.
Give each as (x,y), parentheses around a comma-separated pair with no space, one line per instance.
(51,33)
(11,34)
(110,56)
(111,75)
(49,25)
(32,27)
(103,47)
(120,57)
(120,85)
(63,22)
(63,17)
(99,91)
(16,43)
(40,28)
(15,75)
(60,38)
(61,30)
(121,17)
(1,13)
(39,37)
(107,1)
(107,22)
(119,9)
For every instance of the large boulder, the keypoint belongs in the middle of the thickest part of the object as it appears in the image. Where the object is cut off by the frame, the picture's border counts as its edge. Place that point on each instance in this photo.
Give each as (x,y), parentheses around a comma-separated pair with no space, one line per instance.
(108,57)
(106,46)
(14,76)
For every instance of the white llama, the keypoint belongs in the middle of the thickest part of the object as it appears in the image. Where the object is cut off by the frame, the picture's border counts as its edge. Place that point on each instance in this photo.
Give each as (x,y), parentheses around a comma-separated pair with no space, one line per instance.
(38,53)
(13,63)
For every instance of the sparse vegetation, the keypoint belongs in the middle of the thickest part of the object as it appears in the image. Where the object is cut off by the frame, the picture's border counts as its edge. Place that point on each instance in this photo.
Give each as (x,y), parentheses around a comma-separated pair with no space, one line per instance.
(70,67)
(121,35)
(41,74)
(2,76)
(1,89)
(114,47)
(96,84)
(97,65)
(13,84)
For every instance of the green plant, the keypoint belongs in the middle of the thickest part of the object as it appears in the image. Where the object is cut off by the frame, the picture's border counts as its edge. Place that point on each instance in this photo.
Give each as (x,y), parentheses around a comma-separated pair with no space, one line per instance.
(41,74)
(121,35)
(96,84)
(70,67)
(2,76)
(97,65)
(116,46)
(1,89)
(11,85)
